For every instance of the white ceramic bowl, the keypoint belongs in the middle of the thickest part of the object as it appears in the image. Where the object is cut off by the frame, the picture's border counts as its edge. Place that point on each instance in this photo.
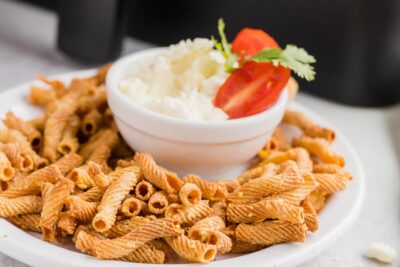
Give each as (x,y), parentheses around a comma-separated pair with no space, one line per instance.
(214,149)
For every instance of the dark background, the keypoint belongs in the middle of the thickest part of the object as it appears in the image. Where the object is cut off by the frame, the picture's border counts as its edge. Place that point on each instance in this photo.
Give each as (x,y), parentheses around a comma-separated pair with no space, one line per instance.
(356,42)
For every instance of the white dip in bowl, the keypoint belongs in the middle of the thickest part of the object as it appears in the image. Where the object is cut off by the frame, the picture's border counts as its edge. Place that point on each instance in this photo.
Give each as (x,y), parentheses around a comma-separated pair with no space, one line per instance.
(178,124)
(180,82)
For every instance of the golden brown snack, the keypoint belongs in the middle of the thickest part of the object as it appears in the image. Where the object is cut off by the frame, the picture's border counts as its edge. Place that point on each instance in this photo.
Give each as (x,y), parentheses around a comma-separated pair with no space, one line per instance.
(158,203)
(240,247)
(10,207)
(256,189)
(97,100)
(299,155)
(192,250)
(100,156)
(105,137)
(7,171)
(144,190)
(131,207)
(10,136)
(265,209)
(108,117)
(331,168)
(210,190)
(97,176)
(66,224)
(188,215)
(250,174)
(122,246)
(81,177)
(124,182)
(85,176)
(298,194)
(56,123)
(309,128)
(146,254)
(68,162)
(38,123)
(91,122)
(310,216)
(189,194)
(219,209)
(200,229)
(93,194)
(19,158)
(222,242)
(157,175)
(317,199)
(33,135)
(40,96)
(231,185)
(28,222)
(271,232)
(331,183)
(56,85)
(31,183)
(81,209)
(320,148)
(69,141)
(53,197)
(123,227)
(123,207)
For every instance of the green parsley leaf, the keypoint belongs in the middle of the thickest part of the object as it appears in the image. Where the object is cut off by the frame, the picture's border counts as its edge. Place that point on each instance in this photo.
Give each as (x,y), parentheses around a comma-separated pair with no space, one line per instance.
(225,48)
(292,57)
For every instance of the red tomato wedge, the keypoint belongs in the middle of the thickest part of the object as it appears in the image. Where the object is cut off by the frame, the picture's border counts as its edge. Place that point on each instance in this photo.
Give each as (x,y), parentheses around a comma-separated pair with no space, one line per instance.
(251,89)
(248,42)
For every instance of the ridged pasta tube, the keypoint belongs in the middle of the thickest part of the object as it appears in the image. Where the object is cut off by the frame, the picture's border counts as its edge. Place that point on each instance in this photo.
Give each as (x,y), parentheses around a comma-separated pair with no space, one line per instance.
(309,128)
(210,190)
(144,190)
(298,194)
(256,189)
(33,135)
(157,175)
(20,205)
(158,203)
(310,215)
(28,222)
(271,232)
(69,141)
(53,197)
(81,209)
(319,147)
(122,246)
(189,194)
(113,197)
(192,250)
(30,185)
(265,209)
(7,171)
(188,215)
(56,123)
(131,207)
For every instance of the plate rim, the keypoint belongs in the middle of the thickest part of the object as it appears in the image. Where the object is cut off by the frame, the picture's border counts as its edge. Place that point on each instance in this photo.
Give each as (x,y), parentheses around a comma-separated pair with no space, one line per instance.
(37,256)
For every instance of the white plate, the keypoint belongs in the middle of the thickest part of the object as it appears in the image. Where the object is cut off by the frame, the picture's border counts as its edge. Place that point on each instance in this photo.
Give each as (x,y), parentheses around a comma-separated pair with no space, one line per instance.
(335,218)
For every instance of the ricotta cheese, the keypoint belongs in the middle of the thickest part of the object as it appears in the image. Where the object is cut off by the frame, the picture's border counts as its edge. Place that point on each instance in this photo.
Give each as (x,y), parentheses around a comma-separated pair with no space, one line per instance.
(181,81)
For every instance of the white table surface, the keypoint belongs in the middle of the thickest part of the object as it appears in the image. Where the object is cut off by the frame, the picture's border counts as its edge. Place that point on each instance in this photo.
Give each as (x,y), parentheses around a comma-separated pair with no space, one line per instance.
(27,48)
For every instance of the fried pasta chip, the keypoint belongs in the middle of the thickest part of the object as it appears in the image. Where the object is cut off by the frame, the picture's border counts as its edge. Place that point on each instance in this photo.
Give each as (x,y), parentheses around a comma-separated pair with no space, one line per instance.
(68,174)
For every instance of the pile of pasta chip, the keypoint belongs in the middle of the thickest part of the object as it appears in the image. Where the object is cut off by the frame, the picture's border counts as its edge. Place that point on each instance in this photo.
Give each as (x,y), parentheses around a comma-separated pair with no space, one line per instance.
(69,174)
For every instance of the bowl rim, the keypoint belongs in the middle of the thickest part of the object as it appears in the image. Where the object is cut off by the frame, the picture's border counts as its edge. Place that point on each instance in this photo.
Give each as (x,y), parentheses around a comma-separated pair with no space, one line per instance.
(117,68)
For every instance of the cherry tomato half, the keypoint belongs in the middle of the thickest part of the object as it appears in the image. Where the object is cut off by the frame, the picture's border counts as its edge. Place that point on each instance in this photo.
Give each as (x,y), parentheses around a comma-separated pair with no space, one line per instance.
(249,42)
(251,89)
